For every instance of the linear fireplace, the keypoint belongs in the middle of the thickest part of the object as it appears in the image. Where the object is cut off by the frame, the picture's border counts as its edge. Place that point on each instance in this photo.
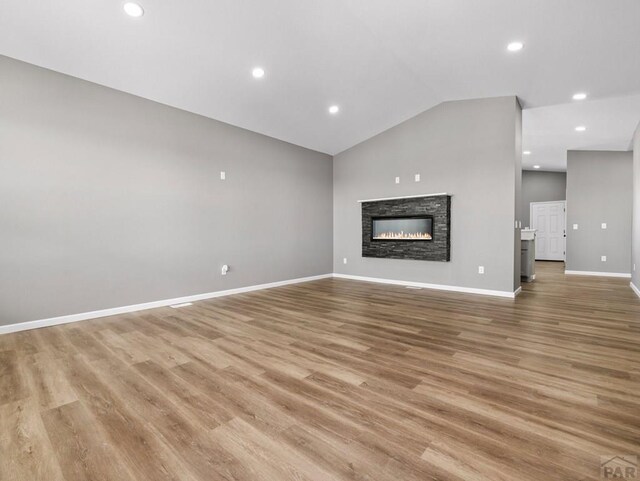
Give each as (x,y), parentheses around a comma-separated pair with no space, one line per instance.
(404,228)
(414,227)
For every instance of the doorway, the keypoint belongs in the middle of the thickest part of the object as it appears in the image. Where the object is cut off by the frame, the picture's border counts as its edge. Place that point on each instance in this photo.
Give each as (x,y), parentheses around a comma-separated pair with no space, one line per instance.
(548,218)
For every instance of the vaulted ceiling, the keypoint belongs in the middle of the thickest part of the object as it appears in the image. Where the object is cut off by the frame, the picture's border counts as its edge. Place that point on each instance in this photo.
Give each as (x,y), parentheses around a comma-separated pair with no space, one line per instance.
(380,61)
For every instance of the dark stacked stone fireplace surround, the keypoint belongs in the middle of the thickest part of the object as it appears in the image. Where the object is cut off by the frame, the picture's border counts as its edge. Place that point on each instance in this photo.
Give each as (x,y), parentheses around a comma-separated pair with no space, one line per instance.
(437,249)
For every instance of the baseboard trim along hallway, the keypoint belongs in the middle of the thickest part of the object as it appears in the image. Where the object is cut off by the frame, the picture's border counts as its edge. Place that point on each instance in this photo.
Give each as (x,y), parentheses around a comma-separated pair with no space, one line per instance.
(635,289)
(53,321)
(601,274)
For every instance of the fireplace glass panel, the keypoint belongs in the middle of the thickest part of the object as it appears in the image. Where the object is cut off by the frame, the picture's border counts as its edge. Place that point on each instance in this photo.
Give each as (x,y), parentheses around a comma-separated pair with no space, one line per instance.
(402,228)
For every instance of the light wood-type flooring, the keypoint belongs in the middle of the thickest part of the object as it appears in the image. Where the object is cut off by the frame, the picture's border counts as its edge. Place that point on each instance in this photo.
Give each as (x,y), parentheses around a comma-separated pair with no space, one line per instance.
(332,380)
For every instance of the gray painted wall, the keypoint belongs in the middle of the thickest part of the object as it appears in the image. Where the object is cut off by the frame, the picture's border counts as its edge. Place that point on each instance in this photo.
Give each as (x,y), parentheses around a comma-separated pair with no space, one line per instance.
(599,189)
(541,187)
(109,200)
(465,148)
(635,261)
(518,197)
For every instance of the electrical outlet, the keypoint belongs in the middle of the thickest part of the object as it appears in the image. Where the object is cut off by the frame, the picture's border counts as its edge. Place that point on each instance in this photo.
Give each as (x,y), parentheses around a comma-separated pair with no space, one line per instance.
(224,270)
(575,226)
(604,225)
(603,258)
(223,175)
(344,260)
(417,177)
(397,180)
(480,269)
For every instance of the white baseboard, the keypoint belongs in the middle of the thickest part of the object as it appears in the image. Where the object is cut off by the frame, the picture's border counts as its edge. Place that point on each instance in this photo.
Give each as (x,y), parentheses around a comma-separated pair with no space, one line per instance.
(440,287)
(635,289)
(517,291)
(53,321)
(601,274)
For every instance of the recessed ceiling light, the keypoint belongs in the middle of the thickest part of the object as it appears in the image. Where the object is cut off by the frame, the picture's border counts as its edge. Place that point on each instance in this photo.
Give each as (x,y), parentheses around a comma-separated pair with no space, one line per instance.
(580,128)
(536,166)
(257,72)
(515,46)
(334,109)
(579,96)
(526,152)
(133,9)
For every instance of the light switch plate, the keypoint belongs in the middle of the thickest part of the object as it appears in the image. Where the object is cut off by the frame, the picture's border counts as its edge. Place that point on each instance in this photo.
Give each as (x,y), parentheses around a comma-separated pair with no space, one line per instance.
(223,175)
(603,258)
(575,226)
(344,260)
(604,225)
(417,177)
(480,269)
(397,180)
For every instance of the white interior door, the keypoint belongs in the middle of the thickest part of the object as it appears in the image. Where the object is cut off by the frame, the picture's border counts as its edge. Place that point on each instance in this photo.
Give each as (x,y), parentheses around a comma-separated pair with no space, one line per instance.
(548,218)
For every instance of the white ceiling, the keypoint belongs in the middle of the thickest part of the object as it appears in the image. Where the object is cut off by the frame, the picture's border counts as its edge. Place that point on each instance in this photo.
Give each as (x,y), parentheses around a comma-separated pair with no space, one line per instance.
(550,131)
(382,61)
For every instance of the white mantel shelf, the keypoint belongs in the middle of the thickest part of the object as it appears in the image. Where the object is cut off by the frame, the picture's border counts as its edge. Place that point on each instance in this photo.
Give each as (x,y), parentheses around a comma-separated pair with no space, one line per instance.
(403,197)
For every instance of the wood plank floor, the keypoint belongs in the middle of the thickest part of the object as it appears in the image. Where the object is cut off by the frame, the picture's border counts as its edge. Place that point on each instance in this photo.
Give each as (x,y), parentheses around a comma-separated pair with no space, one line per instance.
(332,380)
